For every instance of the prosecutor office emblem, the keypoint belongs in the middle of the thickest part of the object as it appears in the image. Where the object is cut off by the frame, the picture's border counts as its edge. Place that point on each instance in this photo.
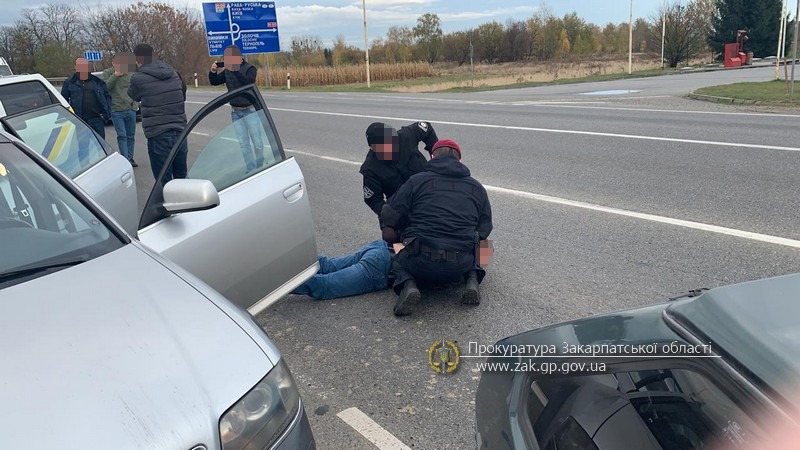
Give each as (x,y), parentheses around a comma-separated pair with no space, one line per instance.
(443,356)
(368,193)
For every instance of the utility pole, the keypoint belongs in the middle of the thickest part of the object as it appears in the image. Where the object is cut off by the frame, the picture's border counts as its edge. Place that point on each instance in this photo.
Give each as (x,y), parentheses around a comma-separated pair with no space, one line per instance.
(664,33)
(472,67)
(366,40)
(781,37)
(630,41)
(794,48)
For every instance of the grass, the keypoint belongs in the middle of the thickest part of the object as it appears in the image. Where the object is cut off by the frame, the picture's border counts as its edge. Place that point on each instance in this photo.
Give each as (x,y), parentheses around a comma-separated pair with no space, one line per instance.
(449,80)
(768,92)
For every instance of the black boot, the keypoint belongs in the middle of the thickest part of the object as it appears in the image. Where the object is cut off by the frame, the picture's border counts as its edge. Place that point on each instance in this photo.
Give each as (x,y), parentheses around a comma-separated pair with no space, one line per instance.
(471,295)
(408,298)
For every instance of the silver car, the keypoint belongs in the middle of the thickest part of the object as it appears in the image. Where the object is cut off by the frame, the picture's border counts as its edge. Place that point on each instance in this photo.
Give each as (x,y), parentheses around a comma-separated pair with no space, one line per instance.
(108,344)
(255,247)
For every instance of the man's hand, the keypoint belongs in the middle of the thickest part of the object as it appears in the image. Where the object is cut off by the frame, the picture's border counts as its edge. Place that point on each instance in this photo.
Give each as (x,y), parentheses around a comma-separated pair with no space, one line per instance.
(215,68)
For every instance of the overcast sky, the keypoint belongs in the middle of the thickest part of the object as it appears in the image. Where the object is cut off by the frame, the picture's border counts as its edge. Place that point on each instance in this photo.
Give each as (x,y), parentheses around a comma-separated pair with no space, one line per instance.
(328,18)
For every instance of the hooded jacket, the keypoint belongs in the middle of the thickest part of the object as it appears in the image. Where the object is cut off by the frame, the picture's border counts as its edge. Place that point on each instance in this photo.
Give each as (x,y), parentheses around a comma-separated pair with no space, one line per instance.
(383,178)
(444,207)
(161,94)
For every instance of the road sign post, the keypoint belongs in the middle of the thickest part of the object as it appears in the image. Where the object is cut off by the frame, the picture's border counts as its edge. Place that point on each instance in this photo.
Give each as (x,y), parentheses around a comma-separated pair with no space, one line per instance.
(251,26)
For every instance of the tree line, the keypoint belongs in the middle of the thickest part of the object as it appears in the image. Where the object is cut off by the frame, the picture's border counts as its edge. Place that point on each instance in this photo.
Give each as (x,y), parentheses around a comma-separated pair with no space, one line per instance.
(48,39)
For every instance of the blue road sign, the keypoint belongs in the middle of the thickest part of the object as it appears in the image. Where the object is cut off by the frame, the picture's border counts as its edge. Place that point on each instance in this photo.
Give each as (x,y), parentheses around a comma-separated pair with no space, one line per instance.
(252,26)
(93,56)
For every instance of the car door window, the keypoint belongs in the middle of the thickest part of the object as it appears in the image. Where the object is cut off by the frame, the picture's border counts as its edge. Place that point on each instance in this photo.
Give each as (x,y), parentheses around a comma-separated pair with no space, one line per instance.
(59,136)
(243,145)
(25,96)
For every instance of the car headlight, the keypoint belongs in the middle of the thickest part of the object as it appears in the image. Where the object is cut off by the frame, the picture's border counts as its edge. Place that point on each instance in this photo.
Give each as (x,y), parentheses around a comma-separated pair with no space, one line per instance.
(260,417)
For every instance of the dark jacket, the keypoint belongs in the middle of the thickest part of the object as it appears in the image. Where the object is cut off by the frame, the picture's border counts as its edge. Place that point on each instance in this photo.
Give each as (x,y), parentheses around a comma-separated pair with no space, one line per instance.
(383,178)
(161,94)
(72,91)
(234,80)
(445,207)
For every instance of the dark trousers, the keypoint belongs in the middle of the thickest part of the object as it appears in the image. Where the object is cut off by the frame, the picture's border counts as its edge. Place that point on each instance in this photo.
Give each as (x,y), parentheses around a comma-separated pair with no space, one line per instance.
(158,148)
(98,125)
(424,269)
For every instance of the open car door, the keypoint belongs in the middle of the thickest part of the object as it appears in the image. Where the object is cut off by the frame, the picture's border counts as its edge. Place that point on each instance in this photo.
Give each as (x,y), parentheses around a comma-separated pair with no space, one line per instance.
(247,230)
(72,146)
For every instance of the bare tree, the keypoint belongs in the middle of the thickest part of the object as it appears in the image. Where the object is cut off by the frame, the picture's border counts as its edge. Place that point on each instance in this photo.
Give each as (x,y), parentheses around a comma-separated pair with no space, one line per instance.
(685,32)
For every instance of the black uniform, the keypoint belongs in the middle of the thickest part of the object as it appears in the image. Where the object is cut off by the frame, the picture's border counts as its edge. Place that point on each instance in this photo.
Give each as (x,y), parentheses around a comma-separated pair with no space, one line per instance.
(383,178)
(447,212)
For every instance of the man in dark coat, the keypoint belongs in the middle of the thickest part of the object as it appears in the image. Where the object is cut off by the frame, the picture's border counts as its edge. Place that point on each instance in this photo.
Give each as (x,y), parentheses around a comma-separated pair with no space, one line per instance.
(161,94)
(89,97)
(448,214)
(393,157)
(235,73)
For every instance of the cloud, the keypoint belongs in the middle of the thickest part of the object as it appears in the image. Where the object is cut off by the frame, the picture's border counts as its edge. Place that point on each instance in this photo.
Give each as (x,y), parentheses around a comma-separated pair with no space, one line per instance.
(488,14)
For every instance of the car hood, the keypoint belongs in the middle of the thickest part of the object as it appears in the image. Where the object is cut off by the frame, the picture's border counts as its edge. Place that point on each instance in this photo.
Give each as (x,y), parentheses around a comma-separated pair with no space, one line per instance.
(119,352)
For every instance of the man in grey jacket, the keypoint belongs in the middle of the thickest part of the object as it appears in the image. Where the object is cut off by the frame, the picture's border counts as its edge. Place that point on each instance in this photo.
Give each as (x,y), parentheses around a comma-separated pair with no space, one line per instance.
(161,94)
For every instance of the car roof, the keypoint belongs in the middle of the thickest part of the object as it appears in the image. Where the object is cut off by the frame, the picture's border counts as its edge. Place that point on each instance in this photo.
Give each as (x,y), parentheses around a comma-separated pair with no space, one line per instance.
(754,323)
(12,79)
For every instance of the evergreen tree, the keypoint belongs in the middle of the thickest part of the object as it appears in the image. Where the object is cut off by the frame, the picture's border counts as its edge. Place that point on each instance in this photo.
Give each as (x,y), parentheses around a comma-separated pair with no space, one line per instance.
(761,19)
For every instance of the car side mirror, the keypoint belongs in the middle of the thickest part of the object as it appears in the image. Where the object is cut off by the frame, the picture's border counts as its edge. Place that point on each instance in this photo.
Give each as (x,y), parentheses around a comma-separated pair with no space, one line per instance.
(185,195)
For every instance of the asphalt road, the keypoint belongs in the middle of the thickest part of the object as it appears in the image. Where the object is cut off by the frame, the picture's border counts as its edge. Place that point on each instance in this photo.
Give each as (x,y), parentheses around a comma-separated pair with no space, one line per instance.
(601,202)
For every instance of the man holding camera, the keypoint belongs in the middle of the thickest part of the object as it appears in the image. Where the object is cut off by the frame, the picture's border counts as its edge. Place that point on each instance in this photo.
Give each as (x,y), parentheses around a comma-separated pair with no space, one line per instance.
(235,72)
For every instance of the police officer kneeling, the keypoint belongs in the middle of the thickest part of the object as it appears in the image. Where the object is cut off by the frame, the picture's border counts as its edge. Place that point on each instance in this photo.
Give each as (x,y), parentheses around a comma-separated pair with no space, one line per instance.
(448,213)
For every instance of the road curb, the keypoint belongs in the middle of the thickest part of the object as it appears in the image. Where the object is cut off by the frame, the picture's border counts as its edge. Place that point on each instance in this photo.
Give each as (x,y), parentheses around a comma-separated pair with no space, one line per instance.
(724,100)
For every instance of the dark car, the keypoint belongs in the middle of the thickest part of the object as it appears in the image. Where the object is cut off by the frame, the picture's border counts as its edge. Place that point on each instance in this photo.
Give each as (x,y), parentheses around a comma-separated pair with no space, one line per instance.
(707,370)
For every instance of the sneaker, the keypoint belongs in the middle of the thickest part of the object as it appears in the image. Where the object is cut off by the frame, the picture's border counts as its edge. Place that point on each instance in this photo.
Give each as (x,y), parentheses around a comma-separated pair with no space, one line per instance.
(133,163)
(408,299)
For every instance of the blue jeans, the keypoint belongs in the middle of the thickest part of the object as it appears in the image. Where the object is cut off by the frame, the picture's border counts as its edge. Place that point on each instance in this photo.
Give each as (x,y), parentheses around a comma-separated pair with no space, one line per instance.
(158,148)
(98,125)
(125,126)
(365,270)
(248,126)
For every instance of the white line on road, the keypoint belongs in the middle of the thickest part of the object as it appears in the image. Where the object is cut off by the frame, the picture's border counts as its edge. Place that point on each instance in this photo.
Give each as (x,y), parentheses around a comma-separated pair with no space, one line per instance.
(553,130)
(677,111)
(620,212)
(371,430)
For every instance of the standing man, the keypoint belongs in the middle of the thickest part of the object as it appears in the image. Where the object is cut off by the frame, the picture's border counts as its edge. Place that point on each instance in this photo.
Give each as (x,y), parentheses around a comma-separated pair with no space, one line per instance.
(235,73)
(448,213)
(123,108)
(89,97)
(161,94)
(393,157)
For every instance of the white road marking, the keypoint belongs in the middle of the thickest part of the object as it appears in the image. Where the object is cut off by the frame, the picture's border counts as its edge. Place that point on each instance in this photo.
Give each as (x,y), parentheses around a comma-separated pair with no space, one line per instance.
(199,133)
(620,212)
(676,111)
(554,130)
(371,430)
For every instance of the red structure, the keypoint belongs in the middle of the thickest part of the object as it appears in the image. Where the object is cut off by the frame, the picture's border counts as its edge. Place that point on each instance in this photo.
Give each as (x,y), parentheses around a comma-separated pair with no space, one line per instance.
(734,53)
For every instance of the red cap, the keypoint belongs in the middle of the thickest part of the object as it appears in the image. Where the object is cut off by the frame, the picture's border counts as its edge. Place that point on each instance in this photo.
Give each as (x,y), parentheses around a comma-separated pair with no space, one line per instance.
(447,143)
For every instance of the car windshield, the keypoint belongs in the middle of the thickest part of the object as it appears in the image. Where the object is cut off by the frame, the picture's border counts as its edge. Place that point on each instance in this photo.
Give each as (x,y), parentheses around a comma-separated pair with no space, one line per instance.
(43,226)
(58,135)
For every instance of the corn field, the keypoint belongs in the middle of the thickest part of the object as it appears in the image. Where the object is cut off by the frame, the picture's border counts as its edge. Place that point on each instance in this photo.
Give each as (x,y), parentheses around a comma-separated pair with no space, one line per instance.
(326,75)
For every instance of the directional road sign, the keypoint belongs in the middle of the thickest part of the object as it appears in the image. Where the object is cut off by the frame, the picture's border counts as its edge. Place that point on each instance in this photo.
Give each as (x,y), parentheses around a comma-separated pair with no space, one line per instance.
(93,56)
(252,26)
